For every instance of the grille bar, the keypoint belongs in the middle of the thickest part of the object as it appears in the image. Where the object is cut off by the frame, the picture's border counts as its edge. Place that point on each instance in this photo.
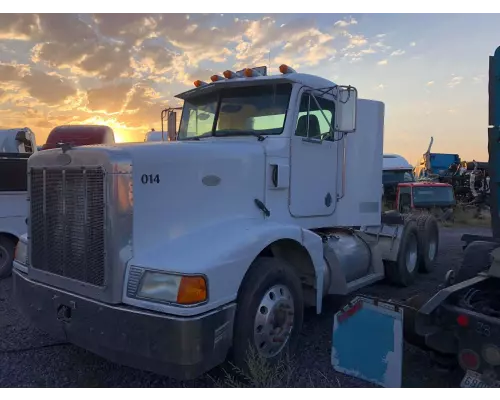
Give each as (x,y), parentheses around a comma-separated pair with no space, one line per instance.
(68,223)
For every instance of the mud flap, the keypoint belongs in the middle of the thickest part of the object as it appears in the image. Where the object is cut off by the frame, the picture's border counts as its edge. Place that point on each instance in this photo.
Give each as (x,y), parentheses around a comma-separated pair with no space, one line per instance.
(367,341)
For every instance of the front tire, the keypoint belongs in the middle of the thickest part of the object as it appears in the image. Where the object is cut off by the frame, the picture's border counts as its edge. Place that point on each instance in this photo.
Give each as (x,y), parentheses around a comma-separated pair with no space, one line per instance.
(7,250)
(269,313)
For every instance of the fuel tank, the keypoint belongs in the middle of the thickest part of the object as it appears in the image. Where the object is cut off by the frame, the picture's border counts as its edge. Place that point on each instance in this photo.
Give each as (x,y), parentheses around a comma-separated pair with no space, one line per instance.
(348,254)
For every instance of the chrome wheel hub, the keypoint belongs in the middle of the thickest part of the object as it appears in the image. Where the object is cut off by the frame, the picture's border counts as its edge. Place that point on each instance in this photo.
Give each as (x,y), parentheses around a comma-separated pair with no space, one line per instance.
(432,249)
(411,255)
(273,321)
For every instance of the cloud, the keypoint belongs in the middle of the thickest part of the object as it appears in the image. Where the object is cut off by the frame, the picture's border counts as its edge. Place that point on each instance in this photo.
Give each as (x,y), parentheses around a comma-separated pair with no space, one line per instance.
(479,78)
(108,99)
(455,81)
(345,23)
(50,89)
(18,26)
(382,62)
(122,67)
(398,53)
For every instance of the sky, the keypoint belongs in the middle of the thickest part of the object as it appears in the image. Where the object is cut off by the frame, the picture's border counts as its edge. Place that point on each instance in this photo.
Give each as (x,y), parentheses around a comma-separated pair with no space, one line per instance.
(121,70)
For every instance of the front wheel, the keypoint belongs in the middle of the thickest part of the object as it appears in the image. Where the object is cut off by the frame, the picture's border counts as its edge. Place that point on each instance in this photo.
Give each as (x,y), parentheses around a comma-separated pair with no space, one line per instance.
(7,250)
(269,313)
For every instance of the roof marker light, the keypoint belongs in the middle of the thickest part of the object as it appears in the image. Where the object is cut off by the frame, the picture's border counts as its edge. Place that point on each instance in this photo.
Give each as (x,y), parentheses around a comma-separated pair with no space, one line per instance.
(228,74)
(249,72)
(199,83)
(215,78)
(285,69)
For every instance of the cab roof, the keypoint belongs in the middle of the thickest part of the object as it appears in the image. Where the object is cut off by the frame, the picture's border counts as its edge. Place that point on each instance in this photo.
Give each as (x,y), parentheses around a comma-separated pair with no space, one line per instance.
(424,184)
(394,162)
(312,81)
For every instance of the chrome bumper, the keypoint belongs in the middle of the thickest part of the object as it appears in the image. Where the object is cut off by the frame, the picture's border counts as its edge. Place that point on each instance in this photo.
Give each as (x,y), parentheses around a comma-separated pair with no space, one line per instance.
(179,347)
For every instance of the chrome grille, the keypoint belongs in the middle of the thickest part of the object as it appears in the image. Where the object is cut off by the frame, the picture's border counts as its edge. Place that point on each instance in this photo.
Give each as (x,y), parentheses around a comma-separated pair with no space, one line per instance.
(67,223)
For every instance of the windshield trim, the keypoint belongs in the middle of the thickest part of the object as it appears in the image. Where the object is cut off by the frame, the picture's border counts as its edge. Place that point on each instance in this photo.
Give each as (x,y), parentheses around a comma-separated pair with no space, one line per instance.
(220,91)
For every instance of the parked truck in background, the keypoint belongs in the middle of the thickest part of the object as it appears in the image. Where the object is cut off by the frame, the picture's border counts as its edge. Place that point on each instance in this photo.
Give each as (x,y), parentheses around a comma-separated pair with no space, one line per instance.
(79,135)
(461,322)
(268,212)
(16,146)
(435,164)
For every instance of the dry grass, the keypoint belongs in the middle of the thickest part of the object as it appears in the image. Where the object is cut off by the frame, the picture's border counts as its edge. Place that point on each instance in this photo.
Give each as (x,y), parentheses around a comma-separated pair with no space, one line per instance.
(462,216)
(261,374)
(469,216)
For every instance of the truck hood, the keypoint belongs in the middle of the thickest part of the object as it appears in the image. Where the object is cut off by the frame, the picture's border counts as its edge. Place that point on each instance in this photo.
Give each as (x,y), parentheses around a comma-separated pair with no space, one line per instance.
(181,187)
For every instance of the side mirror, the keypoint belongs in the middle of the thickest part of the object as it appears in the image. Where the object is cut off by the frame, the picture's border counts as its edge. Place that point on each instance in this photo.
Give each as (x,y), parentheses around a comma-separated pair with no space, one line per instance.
(172,125)
(21,137)
(345,106)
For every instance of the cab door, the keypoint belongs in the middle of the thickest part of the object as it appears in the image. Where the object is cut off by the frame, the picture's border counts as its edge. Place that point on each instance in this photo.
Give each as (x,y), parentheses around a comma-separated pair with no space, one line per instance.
(313,172)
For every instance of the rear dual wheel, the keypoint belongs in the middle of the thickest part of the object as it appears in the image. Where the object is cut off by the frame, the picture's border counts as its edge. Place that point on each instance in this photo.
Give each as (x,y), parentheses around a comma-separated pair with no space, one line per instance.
(403,271)
(428,241)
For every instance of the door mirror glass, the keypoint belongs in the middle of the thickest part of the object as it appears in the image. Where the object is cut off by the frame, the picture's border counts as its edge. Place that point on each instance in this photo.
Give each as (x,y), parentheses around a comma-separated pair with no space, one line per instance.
(172,125)
(345,103)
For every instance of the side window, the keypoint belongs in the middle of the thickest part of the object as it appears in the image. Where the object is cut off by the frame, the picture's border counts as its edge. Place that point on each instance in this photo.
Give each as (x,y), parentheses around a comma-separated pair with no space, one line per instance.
(318,124)
(200,122)
(404,199)
(28,148)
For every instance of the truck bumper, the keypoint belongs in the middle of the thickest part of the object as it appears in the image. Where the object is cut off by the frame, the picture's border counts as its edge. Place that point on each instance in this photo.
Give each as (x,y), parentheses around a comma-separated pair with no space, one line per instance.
(182,348)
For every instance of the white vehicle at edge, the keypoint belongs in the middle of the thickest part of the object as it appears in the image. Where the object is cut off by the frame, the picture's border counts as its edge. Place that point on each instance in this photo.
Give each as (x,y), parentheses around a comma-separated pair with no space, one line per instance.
(156,136)
(16,145)
(263,187)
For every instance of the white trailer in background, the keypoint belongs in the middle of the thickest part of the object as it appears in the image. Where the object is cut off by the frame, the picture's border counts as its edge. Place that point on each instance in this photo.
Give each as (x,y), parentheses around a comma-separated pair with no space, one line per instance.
(269,211)
(16,145)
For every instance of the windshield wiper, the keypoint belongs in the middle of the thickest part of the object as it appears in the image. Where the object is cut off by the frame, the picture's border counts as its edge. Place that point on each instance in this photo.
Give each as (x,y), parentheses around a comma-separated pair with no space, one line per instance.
(206,134)
(231,132)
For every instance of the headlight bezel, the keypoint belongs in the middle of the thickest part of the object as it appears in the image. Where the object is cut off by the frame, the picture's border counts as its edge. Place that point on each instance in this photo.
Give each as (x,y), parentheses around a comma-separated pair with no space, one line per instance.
(141,294)
(21,253)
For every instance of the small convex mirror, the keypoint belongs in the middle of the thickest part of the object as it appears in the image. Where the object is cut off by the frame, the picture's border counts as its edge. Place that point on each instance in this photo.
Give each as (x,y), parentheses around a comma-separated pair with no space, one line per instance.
(345,105)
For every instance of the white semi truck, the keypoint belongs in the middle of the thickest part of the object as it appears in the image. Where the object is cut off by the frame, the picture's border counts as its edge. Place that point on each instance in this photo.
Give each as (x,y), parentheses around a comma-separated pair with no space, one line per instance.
(269,210)
(16,145)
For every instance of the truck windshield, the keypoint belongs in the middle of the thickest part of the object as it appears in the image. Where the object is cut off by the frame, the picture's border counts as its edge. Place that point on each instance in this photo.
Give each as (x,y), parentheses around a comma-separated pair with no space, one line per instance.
(426,196)
(237,111)
(398,176)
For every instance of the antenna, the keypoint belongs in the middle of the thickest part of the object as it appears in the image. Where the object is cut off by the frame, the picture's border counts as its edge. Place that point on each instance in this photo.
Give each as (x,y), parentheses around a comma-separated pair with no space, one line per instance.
(269,62)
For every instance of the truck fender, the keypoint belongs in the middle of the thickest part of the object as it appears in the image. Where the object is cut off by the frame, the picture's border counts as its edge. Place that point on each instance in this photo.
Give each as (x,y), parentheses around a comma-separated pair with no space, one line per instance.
(223,253)
(11,226)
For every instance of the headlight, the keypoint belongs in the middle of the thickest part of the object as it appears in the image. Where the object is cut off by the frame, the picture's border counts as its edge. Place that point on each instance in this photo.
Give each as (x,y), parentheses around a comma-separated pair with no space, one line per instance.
(172,288)
(21,254)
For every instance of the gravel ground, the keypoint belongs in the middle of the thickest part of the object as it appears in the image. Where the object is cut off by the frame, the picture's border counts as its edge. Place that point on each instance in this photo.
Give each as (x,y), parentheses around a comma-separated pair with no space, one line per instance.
(29,358)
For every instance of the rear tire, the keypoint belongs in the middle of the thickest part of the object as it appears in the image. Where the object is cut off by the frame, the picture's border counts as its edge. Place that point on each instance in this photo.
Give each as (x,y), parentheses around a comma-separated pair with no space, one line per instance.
(269,301)
(428,242)
(7,250)
(403,271)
